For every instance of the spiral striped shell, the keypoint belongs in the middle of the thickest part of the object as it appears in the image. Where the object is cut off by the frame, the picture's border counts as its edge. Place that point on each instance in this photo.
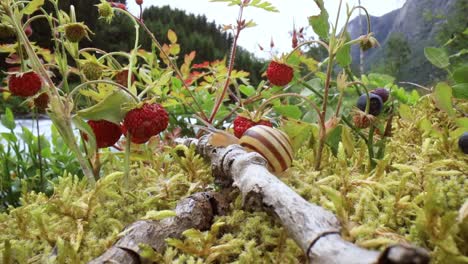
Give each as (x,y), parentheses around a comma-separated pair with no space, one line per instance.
(273,144)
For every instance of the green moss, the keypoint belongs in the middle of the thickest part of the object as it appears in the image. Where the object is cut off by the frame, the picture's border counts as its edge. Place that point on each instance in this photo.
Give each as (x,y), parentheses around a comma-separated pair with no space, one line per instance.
(413,196)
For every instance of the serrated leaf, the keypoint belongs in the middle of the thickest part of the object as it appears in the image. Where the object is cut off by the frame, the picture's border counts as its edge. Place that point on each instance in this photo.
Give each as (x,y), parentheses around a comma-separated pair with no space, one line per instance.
(437,56)
(291,111)
(110,109)
(460,91)
(32,7)
(319,22)
(443,98)
(172,36)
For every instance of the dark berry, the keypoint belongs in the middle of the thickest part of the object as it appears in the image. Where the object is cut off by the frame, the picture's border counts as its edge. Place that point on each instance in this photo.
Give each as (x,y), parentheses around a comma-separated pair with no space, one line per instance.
(376,104)
(382,92)
(463,143)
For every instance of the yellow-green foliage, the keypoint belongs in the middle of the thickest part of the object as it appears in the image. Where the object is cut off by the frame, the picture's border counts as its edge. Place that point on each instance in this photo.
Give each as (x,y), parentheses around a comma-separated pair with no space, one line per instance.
(413,195)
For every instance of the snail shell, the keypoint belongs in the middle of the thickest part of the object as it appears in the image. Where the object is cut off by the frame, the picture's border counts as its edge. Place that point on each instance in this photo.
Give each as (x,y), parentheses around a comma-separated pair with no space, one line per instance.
(274,145)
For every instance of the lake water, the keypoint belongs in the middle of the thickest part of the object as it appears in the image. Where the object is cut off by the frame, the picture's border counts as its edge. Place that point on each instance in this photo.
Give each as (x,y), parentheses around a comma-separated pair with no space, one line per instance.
(44,126)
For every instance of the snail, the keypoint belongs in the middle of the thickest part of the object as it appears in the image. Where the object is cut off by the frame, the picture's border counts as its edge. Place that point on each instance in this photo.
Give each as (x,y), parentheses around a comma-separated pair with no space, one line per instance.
(273,144)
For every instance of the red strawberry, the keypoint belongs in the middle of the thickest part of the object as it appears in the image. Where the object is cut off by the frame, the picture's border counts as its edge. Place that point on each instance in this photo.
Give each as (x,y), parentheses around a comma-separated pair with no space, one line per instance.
(279,73)
(241,124)
(146,121)
(24,84)
(134,139)
(118,5)
(106,133)
(139,2)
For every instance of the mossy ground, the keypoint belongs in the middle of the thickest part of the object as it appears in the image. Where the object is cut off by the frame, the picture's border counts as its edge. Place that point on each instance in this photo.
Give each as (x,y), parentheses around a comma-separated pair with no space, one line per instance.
(413,196)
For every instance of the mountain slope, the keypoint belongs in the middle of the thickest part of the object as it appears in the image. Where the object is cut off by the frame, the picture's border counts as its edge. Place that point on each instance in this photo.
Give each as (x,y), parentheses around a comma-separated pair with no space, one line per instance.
(419,22)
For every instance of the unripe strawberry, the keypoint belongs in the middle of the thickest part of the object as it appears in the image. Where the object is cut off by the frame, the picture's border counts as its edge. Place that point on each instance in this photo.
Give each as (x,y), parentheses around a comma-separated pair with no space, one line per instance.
(146,121)
(75,32)
(92,70)
(105,10)
(24,84)
(241,124)
(279,74)
(105,132)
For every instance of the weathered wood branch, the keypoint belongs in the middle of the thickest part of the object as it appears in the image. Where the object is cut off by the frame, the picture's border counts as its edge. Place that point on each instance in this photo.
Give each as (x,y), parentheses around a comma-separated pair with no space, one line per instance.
(315,230)
(196,211)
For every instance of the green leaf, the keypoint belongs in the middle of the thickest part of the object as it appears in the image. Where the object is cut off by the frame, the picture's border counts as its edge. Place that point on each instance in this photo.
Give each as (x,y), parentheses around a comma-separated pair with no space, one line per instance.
(298,132)
(263,5)
(83,126)
(8,120)
(334,138)
(443,98)
(291,111)
(460,75)
(347,140)
(462,122)
(437,56)
(343,56)
(158,215)
(247,90)
(111,108)
(460,91)
(171,35)
(405,112)
(319,23)
(32,7)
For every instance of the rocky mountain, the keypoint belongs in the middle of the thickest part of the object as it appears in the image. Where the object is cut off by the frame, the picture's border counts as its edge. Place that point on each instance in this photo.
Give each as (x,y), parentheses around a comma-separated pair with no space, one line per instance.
(418,23)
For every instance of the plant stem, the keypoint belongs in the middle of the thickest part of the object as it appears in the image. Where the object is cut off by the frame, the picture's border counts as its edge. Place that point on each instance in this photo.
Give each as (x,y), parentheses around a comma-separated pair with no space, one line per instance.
(39,147)
(219,99)
(370,147)
(127,159)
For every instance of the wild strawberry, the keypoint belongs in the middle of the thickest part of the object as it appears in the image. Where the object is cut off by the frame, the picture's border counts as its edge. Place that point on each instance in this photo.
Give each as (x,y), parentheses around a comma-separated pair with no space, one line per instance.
(146,121)
(92,70)
(139,2)
(75,32)
(106,133)
(241,124)
(382,92)
(279,73)
(25,84)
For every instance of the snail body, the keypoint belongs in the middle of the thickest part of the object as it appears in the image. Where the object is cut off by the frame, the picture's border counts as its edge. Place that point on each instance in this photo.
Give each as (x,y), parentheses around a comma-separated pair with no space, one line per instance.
(273,144)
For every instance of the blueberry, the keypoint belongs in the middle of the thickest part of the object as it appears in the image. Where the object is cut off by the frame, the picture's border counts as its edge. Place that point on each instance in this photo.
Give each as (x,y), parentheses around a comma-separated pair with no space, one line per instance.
(376,104)
(382,92)
(463,143)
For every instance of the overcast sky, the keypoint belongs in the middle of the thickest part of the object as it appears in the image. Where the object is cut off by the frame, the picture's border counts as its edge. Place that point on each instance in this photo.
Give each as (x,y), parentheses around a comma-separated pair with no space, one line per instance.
(269,25)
